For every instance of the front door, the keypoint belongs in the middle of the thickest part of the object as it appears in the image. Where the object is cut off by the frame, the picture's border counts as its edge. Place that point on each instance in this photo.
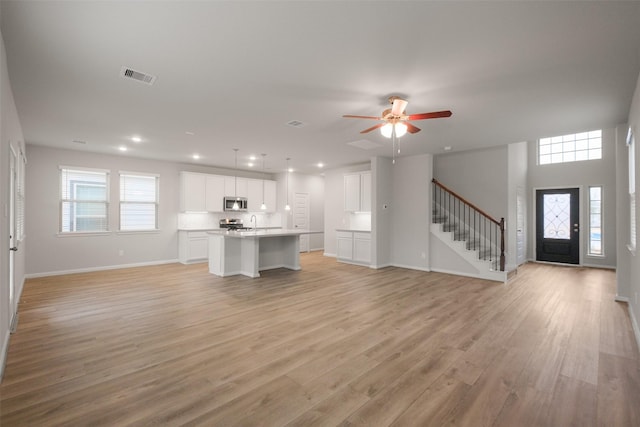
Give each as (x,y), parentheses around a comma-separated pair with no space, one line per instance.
(558,226)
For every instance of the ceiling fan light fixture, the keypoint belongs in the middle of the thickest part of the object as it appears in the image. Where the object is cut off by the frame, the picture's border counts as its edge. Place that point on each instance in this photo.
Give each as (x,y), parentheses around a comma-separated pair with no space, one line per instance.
(387,129)
(401,129)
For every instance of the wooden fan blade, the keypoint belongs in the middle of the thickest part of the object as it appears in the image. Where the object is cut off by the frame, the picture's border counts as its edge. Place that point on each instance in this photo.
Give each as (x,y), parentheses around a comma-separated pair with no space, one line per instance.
(351,116)
(398,106)
(411,128)
(379,125)
(433,115)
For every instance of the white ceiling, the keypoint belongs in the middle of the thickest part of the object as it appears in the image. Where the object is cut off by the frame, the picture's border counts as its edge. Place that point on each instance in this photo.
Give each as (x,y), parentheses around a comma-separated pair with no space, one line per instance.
(235,72)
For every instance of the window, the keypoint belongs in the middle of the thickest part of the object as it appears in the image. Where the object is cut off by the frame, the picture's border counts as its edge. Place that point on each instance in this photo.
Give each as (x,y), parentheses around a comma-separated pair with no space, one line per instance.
(138,202)
(570,148)
(595,221)
(632,190)
(83,200)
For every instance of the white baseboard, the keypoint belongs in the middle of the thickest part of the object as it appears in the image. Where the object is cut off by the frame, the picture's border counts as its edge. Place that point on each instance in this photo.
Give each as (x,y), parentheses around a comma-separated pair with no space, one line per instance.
(92,269)
(3,353)
(379,266)
(634,325)
(330,255)
(500,276)
(412,267)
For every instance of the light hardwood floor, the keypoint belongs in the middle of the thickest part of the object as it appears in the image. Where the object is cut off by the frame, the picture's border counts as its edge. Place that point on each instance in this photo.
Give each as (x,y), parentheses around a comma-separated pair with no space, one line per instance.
(333,344)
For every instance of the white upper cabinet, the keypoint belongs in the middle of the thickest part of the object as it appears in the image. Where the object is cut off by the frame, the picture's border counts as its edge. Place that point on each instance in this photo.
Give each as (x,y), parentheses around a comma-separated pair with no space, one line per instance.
(255,195)
(235,186)
(192,192)
(214,193)
(270,195)
(201,192)
(357,192)
(365,192)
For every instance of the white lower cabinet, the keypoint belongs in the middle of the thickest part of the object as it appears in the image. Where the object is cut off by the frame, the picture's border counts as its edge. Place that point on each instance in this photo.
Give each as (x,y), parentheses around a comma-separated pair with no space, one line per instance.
(362,247)
(354,247)
(193,246)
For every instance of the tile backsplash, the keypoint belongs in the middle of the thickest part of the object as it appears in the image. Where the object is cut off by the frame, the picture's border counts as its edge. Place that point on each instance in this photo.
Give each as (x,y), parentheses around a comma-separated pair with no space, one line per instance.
(205,221)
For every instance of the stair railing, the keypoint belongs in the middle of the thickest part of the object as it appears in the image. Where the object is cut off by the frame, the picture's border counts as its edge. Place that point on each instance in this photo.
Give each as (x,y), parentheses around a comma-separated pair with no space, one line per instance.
(482,232)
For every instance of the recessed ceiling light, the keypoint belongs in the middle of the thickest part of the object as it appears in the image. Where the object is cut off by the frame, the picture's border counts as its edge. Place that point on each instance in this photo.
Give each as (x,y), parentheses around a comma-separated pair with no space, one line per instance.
(448,148)
(252,158)
(189,133)
(196,156)
(136,139)
(250,164)
(290,169)
(320,165)
(122,148)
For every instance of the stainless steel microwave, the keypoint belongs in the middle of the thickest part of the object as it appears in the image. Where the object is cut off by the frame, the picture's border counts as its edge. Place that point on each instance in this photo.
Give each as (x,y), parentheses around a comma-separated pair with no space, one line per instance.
(230,201)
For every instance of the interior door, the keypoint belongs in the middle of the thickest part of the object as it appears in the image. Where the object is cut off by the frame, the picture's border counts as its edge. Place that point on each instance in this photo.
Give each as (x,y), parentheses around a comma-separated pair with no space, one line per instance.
(301,218)
(558,225)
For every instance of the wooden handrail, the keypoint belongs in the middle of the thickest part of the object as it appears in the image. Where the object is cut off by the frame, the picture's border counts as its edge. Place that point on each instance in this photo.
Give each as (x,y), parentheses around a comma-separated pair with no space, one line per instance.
(435,181)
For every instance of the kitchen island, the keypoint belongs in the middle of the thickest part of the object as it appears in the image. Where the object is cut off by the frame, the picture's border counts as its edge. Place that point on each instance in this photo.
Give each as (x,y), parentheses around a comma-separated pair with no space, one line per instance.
(249,252)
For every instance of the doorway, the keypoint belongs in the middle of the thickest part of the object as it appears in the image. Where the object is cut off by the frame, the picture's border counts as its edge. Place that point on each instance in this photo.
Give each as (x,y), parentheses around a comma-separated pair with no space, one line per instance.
(558,225)
(301,218)
(520,227)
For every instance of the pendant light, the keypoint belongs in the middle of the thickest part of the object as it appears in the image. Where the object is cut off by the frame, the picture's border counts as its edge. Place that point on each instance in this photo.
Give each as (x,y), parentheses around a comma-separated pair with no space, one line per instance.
(235,206)
(263,207)
(287,207)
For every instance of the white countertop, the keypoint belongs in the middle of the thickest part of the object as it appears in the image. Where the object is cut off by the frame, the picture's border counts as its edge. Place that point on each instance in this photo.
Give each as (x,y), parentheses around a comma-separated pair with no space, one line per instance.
(353,229)
(224,229)
(262,233)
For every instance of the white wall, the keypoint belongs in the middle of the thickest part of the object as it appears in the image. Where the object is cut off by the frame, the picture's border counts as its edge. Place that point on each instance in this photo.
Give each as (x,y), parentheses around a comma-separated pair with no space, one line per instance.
(630,261)
(517,168)
(480,176)
(582,175)
(51,253)
(411,211)
(10,136)
(334,214)
(382,204)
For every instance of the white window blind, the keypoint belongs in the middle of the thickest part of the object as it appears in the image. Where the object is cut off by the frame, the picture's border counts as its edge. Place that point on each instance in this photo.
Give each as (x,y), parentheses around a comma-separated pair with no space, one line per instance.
(138,202)
(632,189)
(83,200)
(20,197)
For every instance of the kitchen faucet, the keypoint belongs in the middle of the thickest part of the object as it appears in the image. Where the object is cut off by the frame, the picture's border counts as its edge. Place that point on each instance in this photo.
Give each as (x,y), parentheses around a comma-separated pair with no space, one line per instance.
(254,220)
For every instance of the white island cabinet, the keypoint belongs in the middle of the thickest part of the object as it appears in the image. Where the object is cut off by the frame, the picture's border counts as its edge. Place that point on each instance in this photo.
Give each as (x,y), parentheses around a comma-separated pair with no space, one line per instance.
(249,252)
(192,246)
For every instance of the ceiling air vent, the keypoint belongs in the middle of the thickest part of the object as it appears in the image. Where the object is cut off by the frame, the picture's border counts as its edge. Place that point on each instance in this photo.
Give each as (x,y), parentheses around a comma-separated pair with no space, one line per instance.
(129,73)
(295,123)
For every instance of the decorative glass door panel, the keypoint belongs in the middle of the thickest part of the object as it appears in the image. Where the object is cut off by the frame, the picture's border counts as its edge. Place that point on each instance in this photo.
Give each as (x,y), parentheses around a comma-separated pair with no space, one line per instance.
(557,225)
(557,221)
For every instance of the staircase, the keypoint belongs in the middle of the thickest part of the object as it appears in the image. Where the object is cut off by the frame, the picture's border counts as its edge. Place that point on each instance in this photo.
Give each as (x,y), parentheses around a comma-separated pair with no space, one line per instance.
(476,237)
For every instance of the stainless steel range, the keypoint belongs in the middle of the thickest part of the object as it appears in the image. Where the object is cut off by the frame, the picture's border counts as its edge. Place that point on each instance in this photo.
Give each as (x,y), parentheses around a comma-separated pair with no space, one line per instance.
(233,224)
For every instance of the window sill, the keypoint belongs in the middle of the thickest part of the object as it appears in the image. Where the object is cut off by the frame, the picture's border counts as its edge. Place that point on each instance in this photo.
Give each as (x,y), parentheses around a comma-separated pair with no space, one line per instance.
(632,250)
(595,256)
(125,232)
(84,233)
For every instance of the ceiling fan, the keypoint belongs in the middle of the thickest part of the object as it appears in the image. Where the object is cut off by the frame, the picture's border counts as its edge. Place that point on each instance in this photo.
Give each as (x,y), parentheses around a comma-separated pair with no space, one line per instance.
(395,120)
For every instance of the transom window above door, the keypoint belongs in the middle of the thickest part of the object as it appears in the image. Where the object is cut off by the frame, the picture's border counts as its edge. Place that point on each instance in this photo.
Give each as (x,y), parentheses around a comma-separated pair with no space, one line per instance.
(570,148)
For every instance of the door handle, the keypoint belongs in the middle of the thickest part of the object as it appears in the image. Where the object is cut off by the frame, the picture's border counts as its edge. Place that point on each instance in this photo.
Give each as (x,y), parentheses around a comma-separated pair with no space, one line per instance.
(15,249)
